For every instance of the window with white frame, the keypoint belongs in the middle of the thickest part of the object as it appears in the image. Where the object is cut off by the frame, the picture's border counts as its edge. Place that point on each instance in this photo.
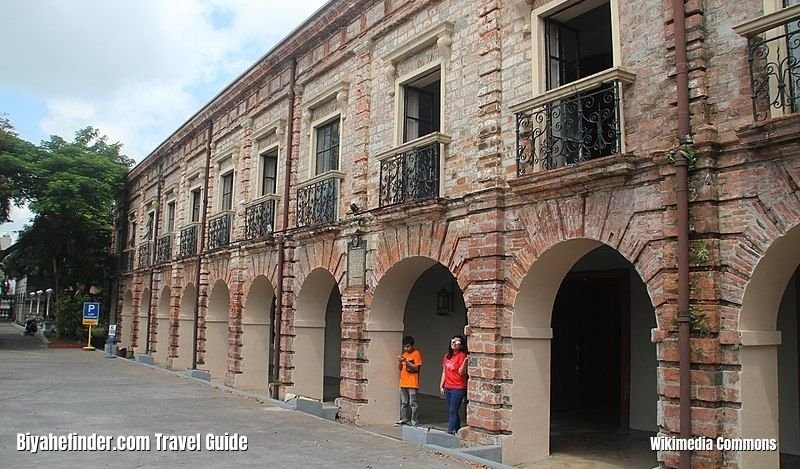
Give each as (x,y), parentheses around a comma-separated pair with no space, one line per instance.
(148,230)
(421,106)
(226,182)
(170,222)
(327,147)
(269,172)
(194,201)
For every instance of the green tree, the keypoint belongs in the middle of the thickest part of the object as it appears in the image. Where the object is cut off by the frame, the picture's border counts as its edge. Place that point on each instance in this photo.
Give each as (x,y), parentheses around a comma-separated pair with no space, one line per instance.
(16,156)
(71,188)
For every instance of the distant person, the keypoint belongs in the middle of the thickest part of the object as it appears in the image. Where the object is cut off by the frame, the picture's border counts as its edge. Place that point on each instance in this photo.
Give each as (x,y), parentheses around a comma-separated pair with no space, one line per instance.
(453,385)
(409,364)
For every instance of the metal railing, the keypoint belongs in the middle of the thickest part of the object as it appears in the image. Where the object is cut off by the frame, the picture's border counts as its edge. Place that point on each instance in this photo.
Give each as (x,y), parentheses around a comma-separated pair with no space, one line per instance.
(410,175)
(259,219)
(219,231)
(164,249)
(188,240)
(569,130)
(774,60)
(316,203)
(145,254)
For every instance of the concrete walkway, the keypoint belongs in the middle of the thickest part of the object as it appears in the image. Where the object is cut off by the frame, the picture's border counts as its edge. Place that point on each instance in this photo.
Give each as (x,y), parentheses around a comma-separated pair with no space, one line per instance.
(63,391)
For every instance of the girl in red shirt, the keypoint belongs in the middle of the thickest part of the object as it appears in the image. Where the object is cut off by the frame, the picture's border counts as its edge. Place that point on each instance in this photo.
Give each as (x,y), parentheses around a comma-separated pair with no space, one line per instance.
(453,385)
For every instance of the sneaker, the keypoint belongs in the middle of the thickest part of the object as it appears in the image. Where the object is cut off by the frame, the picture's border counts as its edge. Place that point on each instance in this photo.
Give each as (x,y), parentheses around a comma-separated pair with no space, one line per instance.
(414,424)
(400,422)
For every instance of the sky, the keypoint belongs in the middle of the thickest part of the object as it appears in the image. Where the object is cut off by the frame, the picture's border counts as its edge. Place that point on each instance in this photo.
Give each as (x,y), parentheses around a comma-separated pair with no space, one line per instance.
(135,69)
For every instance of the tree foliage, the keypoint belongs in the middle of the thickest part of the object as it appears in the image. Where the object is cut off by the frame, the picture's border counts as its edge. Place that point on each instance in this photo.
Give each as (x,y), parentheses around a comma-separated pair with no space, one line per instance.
(71,187)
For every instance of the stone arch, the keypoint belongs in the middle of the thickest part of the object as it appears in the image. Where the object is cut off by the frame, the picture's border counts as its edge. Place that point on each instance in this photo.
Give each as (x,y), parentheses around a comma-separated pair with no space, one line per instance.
(217,330)
(760,340)
(531,342)
(163,326)
(186,327)
(126,326)
(385,329)
(141,330)
(309,327)
(257,334)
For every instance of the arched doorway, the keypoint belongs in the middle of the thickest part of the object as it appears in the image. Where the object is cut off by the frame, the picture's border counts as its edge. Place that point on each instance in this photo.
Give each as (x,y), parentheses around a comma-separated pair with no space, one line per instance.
(768,327)
(418,297)
(317,341)
(583,363)
(185,329)
(161,347)
(257,340)
(217,314)
(144,311)
(126,324)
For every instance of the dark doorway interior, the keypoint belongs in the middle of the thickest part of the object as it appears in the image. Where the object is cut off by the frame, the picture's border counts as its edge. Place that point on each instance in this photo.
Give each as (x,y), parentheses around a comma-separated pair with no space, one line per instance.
(590,349)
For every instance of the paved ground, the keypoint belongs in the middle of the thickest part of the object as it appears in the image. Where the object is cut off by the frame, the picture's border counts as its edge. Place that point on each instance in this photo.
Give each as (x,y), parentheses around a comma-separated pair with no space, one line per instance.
(63,391)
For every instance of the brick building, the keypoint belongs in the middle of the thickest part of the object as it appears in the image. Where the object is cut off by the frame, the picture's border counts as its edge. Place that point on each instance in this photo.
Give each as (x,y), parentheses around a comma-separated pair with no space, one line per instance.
(413,166)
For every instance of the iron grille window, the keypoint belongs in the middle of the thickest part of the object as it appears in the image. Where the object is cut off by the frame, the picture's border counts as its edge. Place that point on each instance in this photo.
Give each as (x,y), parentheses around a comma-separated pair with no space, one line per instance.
(421,106)
(269,172)
(170,217)
(327,156)
(195,200)
(227,191)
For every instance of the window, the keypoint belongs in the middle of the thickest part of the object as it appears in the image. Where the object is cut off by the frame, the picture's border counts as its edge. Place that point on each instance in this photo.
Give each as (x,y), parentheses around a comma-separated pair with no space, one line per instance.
(421,106)
(227,191)
(578,43)
(269,172)
(148,230)
(132,234)
(327,151)
(170,217)
(195,201)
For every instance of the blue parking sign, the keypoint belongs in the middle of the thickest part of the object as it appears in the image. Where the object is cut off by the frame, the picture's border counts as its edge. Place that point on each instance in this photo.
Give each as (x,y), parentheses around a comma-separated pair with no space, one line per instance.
(91,314)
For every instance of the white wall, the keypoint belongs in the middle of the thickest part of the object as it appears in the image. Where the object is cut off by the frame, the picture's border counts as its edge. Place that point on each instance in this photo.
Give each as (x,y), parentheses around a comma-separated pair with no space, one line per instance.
(431,332)
(333,334)
(787,371)
(644,365)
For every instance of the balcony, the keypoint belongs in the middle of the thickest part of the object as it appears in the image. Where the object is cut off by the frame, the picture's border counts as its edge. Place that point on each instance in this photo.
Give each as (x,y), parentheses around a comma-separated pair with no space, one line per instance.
(411,172)
(317,200)
(571,124)
(259,219)
(773,43)
(145,255)
(126,261)
(219,230)
(164,249)
(188,240)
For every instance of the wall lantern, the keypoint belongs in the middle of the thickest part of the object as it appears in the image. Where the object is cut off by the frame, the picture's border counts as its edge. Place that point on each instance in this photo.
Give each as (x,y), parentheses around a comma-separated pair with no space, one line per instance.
(445,300)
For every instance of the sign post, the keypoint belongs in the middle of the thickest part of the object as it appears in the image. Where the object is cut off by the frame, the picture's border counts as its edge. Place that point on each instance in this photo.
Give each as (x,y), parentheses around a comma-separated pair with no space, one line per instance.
(91,316)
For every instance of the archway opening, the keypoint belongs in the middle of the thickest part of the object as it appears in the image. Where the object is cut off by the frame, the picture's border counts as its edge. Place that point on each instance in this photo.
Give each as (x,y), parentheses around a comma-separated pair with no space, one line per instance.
(162,345)
(416,297)
(317,341)
(141,330)
(257,336)
(186,325)
(216,356)
(583,361)
(788,376)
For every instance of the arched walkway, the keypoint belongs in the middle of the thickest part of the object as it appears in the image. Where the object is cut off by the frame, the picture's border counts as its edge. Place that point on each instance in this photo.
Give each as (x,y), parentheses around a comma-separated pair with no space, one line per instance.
(583,363)
(161,347)
(259,309)
(126,321)
(185,329)
(317,341)
(216,357)
(768,288)
(418,297)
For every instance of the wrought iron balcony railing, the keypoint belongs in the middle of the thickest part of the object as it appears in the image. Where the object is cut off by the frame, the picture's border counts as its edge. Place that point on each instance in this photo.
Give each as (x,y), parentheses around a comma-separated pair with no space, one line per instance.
(188,240)
(316,202)
(774,59)
(259,219)
(164,249)
(412,174)
(219,230)
(145,254)
(126,262)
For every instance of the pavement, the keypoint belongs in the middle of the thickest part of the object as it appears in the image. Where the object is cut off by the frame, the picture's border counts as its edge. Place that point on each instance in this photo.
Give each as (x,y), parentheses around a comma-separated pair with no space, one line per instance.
(71,391)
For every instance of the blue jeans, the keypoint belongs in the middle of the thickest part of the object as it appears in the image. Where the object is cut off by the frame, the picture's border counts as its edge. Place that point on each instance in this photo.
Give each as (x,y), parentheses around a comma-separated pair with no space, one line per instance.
(454,397)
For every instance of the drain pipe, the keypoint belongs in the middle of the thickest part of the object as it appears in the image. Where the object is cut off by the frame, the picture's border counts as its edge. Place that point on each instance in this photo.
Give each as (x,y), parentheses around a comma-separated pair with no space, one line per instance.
(201,241)
(153,257)
(682,182)
(276,344)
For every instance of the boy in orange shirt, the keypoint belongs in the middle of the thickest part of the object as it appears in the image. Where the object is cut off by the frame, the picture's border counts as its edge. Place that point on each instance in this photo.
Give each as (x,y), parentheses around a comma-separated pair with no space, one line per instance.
(409,364)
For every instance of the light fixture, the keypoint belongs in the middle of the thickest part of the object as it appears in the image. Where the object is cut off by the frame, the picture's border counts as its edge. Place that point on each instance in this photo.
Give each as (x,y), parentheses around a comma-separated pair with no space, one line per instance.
(444,300)
(354,208)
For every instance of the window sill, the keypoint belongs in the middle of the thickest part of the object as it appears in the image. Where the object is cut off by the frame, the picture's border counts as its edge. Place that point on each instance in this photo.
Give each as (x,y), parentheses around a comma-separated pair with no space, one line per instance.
(321,177)
(419,142)
(588,176)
